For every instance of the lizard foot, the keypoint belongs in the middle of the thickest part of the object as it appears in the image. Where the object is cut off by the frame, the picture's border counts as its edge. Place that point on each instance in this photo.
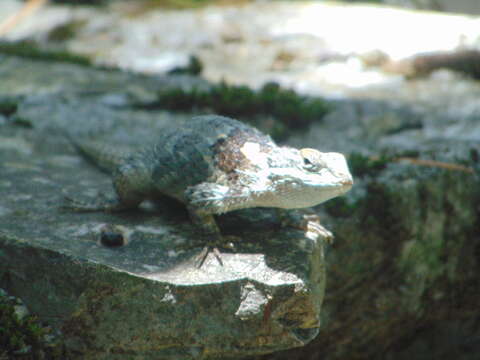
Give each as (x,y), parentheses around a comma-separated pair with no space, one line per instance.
(213,248)
(310,223)
(204,254)
(313,228)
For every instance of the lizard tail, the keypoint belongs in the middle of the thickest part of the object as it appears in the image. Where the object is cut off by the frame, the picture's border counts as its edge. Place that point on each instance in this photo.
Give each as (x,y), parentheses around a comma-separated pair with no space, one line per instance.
(105,157)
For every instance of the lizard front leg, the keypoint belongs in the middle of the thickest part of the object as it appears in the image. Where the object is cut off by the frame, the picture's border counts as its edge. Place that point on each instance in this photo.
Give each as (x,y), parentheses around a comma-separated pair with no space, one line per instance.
(209,228)
(212,198)
(206,199)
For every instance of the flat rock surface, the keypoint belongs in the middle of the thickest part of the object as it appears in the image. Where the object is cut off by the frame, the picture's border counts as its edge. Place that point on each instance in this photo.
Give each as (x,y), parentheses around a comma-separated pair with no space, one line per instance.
(146,297)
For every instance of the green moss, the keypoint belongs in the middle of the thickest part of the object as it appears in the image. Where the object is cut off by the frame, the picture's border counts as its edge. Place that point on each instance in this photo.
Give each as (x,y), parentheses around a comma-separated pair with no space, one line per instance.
(184,4)
(379,212)
(180,4)
(469,66)
(22,122)
(8,106)
(366,1)
(294,111)
(81,2)
(30,50)
(474,156)
(194,67)
(406,260)
(65,32)
(340,207)
(22,336)
(361,165)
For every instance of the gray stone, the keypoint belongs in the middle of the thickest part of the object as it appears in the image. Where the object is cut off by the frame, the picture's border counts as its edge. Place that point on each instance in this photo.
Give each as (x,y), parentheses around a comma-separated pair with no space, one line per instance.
(469,7)
(146,299)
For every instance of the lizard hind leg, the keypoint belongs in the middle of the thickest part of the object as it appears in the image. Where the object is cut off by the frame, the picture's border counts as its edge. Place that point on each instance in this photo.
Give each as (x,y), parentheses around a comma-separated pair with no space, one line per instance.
(125,199)
(130,190)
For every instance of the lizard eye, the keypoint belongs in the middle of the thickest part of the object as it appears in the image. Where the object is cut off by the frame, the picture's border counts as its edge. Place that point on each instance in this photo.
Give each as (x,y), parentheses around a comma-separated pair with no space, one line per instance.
(307,162)
(311,161)
(310,165)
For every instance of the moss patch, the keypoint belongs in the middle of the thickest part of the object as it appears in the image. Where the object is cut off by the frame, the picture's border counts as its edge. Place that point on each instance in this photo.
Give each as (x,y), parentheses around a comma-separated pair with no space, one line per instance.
(65,32)
(340,207)
(362,165)
(23,337)
(150,5)
(8,106)
(28,49)
(405,260)
(194,67)
(293,110)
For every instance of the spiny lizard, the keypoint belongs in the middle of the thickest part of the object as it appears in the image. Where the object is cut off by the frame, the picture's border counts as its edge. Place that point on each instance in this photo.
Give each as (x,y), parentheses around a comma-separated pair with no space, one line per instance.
(214,164)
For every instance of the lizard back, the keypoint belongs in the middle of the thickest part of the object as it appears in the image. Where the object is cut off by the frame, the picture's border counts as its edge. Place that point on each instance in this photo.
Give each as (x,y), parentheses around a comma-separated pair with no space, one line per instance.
(205,149)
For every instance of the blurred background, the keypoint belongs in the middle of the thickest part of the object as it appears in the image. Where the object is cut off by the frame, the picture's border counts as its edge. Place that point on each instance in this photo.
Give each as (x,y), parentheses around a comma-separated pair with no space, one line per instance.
(333,49)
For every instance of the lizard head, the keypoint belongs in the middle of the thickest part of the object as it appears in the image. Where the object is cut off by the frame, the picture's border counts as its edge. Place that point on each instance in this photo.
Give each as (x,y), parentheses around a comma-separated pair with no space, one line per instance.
(310,177)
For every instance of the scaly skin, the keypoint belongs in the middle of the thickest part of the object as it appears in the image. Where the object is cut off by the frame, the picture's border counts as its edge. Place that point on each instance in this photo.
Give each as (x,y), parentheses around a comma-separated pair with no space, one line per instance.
(215,164)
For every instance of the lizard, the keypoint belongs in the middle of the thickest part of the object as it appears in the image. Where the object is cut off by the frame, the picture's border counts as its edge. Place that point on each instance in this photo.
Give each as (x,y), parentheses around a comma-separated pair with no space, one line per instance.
(214,164)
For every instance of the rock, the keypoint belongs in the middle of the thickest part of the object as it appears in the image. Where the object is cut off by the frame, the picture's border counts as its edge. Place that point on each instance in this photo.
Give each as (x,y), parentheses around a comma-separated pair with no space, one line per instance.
(22,334)
(403,271)
(464,61)
(297,44)
(469,7)
(146,298)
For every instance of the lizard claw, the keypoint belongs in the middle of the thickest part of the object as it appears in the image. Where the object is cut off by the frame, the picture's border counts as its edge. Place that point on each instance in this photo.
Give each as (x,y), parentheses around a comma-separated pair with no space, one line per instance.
(204,254)
(213,248)
(309,223)
(314,229)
